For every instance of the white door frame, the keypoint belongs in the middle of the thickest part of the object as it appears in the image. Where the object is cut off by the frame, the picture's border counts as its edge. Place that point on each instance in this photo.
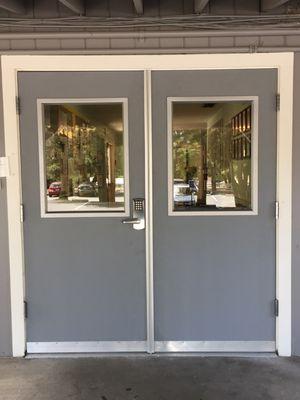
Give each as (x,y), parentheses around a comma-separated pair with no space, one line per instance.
(283,62)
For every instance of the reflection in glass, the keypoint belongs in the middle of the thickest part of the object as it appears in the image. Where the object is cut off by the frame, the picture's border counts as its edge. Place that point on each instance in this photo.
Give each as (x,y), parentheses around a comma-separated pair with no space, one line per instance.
(84,157)
(211,146)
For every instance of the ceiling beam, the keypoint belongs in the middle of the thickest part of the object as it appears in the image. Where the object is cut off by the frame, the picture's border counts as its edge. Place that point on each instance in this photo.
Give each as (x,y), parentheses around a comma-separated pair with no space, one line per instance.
(139,6)
(199,5)
(270,4)
(77,6)
(14,6)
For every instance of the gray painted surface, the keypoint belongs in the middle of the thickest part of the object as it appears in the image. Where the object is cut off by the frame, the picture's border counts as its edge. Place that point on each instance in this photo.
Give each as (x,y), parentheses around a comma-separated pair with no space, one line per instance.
(214,276)
(5,322)
(201,44)
(85,277)
(148,378)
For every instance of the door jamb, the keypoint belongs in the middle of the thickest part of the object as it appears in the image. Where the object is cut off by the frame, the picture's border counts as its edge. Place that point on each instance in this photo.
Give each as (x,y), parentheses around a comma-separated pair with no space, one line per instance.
(283,62)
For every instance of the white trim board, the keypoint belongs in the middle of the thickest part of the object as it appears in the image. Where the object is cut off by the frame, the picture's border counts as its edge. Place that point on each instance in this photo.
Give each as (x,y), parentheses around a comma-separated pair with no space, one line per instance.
(283,62)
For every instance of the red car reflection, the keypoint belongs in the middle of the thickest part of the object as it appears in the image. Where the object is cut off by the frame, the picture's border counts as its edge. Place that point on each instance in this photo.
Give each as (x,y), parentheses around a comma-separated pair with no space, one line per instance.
(54,189)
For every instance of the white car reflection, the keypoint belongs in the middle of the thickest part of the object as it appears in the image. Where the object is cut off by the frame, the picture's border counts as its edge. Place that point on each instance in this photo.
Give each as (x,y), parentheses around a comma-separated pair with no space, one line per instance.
(184,195)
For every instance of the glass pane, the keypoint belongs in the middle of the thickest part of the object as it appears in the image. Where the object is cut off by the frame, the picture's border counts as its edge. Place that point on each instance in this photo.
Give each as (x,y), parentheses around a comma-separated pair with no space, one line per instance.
(211,151)
(84,157)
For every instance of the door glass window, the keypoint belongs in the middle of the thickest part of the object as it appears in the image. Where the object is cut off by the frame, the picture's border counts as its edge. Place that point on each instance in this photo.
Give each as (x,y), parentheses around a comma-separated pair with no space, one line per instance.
(83,158)
(212,149)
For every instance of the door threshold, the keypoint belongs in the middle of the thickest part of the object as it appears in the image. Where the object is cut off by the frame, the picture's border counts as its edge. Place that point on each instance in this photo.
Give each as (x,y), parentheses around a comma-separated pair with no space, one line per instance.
(161,349)
(31,356)
(87,347)
(212,346)
(147,355)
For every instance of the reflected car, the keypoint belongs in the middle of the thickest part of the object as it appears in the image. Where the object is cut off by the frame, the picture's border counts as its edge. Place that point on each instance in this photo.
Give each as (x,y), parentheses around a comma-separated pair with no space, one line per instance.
(119,186)
(86,189)
(184,195)
(54,189)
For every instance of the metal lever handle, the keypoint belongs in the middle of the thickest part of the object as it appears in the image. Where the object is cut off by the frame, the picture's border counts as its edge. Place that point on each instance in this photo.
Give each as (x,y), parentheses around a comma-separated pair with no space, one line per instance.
(131,221)
(138,215)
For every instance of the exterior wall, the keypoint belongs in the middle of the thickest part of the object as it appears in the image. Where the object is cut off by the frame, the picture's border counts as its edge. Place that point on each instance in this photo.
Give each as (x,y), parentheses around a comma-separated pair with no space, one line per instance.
(5,326)
(201,44)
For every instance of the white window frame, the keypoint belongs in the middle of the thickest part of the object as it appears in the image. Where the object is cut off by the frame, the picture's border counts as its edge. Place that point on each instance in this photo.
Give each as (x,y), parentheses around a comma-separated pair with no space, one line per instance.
(283,62)
(41,142)
(254,156)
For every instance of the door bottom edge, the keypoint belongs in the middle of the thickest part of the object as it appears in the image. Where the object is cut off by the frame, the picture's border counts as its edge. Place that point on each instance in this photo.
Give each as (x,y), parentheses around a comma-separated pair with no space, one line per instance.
(86,347)
(258,346)
(94,347)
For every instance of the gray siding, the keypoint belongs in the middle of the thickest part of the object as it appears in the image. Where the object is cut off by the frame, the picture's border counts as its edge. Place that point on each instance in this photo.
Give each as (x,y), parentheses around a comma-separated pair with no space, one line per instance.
(5,325)
(202,44)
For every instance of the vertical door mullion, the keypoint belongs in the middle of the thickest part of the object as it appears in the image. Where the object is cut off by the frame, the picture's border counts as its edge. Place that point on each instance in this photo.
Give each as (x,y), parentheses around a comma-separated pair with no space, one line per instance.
(149,210)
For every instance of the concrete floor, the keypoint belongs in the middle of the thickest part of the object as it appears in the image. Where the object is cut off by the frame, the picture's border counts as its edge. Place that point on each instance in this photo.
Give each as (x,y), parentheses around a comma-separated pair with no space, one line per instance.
(150,377)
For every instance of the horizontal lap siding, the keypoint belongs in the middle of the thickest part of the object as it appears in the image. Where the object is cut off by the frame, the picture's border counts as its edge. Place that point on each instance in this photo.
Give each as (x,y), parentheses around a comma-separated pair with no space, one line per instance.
(5,323)
(242,43)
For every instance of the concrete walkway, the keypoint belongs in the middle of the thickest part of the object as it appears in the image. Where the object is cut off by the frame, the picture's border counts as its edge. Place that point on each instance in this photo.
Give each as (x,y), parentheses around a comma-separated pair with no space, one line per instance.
(150,377)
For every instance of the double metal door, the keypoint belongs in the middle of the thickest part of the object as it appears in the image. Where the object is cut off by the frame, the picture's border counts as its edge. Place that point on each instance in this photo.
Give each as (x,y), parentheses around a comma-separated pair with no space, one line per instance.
(88,285)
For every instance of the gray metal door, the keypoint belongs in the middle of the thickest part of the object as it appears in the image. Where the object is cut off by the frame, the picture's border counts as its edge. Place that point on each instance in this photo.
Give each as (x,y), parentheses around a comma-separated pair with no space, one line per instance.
(214,209)
(82,144)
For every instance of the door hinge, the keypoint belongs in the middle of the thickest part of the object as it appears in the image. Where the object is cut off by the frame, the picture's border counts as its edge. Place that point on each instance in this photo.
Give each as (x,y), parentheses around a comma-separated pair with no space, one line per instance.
(22,212)
(276,307)
(277,102)
(276,209)
(18,105)
(25,309)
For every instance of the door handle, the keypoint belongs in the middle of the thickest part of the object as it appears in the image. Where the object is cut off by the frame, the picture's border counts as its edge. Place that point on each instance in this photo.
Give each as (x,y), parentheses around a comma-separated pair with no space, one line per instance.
(138,215)
(131,221)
